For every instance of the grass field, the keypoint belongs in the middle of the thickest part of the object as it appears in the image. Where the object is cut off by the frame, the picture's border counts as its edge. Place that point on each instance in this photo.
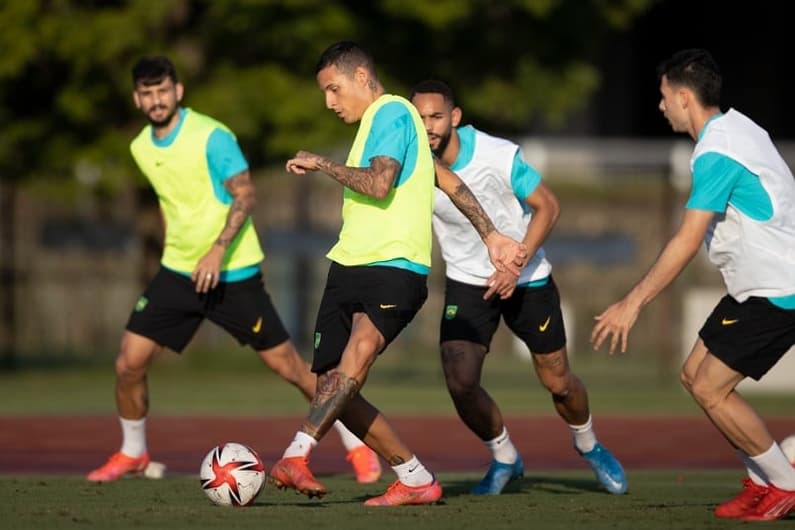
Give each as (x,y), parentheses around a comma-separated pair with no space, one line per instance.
(235,382)
(562,500)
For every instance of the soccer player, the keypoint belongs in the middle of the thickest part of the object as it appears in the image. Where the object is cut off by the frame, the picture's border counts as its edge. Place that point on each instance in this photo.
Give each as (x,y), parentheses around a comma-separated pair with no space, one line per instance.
(377,278)
(742,205)
(476,295)
(210,267)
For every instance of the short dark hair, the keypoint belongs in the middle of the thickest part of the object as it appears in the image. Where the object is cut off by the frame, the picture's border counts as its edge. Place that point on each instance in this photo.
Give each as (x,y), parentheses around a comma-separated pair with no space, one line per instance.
(434,86)
(346,56)
(696,69)
(153,69)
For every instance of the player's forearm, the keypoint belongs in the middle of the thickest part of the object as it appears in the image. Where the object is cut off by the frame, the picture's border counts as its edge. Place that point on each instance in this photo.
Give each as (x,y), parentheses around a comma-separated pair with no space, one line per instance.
(239,212)
(539,229)
(466,202)
(374,181)
(243,202)
(671,262)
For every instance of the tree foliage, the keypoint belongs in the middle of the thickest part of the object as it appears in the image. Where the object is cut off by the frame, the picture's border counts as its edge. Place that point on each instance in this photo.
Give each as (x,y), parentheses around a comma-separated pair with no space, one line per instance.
(66,112)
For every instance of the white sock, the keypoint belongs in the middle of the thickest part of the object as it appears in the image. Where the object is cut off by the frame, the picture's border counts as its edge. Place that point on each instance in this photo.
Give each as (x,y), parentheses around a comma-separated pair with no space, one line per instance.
(775,466)
(413,473)
(301,445)
(755,473)
(584,437)
(133,434)
(502,448)
(349,440)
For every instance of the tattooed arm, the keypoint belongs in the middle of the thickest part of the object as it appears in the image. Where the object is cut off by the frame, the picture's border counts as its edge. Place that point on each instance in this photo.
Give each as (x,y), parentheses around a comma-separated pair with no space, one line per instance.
(374,181)
(205,274)
(506,254)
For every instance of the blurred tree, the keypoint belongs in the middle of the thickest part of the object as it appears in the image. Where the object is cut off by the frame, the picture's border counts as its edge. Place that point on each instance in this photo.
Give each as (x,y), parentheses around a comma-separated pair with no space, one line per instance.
(66,116)
(517,65)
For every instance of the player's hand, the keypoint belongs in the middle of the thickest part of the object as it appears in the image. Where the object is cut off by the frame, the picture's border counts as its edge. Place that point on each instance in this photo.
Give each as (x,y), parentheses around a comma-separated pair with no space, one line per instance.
(208,269)
(302,162)
(506,254)
(614,323)
(502,284)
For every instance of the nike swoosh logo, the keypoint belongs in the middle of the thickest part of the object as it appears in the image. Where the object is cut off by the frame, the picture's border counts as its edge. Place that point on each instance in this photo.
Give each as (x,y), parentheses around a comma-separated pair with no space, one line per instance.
(413,469)
(543,327)
(257,326)
(387,306)
(727,322)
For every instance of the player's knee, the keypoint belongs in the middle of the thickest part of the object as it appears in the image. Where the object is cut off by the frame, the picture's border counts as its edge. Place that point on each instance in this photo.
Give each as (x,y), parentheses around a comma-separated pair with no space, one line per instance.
(686,379)
(461,369)
(704,393)
(559,387)
(127,369)
(461,387)
(284,360)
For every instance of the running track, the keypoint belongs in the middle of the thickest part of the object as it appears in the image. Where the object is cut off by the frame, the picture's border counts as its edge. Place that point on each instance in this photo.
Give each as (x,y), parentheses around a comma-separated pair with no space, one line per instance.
(76,444)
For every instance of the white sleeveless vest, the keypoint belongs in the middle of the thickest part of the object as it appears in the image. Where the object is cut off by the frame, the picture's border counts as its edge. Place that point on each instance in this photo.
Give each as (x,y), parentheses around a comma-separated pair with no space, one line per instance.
(488,175)
(756,258)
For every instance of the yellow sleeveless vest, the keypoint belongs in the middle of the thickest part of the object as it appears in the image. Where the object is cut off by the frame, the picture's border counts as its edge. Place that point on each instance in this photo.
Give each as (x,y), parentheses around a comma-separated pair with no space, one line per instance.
(398,226)
(193,213)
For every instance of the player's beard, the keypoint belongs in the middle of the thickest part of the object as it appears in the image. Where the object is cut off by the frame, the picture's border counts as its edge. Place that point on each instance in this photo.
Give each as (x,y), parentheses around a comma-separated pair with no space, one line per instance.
(157,124)
(444,140)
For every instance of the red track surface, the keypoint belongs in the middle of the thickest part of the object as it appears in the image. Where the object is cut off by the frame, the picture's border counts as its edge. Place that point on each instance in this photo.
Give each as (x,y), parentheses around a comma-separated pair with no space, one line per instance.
(80,443)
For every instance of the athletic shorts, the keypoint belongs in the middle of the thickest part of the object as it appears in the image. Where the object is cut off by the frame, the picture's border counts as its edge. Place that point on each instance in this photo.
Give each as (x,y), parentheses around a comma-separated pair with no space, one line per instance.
(532,313)
(390,297)
(750,337)
(170,311)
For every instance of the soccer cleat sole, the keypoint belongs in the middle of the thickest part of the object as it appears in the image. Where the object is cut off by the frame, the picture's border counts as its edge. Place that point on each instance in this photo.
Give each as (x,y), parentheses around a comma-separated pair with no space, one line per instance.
(312,494)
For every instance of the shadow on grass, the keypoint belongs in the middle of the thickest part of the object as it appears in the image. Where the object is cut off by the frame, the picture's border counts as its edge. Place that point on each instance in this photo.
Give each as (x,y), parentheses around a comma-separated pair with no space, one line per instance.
(530,483)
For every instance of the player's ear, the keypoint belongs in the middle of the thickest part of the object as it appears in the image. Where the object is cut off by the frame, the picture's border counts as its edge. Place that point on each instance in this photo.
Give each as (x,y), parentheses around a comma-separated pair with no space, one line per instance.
(136,99)
(456,116)
(180,91)
(361,75)
(683,95)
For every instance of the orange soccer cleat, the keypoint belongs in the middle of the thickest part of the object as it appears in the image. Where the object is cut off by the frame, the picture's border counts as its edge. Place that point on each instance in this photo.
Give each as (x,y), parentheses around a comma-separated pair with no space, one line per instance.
(293,472)
(119,465)
(399,494)
(366,465)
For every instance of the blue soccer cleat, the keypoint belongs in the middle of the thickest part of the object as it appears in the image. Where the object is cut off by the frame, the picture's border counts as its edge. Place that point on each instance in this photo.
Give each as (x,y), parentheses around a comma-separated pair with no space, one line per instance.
(498,476)
(607,469)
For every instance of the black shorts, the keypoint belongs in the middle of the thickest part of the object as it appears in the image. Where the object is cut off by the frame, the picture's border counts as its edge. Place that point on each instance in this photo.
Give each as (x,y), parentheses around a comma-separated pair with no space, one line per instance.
(750,337)
(532,313)
(170,311)
(390,297)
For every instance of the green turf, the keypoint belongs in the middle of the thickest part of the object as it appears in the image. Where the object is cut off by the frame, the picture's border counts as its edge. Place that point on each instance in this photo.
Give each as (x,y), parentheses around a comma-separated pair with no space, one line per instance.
(542,500)
(235,382)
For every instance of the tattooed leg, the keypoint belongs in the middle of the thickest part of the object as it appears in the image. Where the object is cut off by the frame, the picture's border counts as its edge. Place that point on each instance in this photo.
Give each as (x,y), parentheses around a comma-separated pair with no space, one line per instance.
(334,391)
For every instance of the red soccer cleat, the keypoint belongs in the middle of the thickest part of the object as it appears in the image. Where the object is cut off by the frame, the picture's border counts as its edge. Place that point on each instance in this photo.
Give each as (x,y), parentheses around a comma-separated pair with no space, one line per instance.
(743,502)
(365,464)
(398,494)
(119,465)
(775,504)
(293,472)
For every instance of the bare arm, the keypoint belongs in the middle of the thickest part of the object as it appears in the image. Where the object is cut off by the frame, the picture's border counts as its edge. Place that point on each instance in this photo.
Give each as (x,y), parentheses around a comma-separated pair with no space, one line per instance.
(506,254)
(374,181)
(208,268)
(619,318)
(546,211)
(463,199)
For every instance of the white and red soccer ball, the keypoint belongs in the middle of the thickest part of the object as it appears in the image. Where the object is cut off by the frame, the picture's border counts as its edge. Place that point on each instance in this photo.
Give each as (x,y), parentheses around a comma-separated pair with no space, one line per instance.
(232,474)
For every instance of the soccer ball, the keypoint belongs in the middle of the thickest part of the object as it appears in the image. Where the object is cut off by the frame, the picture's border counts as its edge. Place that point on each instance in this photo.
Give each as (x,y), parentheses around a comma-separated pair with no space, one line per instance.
(788,446)
(232,474)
